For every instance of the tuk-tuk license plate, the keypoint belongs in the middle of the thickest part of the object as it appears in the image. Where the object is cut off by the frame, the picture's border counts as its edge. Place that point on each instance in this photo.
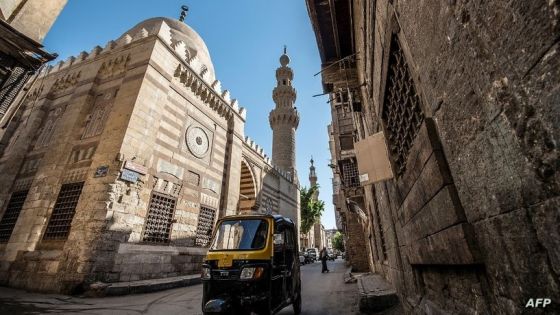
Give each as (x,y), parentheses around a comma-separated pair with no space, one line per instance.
(227,261)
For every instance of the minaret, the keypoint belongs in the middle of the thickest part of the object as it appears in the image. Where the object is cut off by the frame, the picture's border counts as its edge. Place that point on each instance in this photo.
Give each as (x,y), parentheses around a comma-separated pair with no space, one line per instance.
(284,119)
(313,179)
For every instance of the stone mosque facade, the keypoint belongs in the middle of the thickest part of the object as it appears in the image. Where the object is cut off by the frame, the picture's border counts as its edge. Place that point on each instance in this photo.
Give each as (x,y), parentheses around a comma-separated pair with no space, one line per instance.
(125,157)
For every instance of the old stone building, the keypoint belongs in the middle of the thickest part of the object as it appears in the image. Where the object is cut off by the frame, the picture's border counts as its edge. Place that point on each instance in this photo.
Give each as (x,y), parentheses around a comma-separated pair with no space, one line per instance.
(445,132)
(23,26)
(124,158)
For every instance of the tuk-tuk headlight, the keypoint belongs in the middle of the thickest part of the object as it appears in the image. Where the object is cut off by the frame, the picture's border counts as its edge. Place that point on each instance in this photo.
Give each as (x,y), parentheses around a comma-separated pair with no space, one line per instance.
(251,273)
(205,274)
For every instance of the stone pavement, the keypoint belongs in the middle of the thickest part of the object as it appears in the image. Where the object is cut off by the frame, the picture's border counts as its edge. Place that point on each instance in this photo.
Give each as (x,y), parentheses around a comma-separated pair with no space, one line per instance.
(326,293)
(185,300)
(323,294)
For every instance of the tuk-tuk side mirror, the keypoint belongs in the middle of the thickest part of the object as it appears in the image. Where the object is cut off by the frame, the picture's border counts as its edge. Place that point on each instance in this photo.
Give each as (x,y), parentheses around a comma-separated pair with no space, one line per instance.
(279,239)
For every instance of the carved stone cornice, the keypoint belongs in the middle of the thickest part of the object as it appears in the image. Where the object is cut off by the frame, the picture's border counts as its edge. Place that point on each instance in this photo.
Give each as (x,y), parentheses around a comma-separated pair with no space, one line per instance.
(219,102)
(65,83)
(113,67)
(281,116)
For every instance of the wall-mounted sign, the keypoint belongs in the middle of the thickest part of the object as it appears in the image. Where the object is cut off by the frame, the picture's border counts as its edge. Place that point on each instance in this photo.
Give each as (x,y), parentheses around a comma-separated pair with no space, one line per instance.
(373,159)
(141,169)
(129,176)
(101,171)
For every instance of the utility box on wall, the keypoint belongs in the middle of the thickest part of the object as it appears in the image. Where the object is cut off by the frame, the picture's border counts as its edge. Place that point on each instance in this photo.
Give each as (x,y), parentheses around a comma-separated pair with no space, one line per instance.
(373,159)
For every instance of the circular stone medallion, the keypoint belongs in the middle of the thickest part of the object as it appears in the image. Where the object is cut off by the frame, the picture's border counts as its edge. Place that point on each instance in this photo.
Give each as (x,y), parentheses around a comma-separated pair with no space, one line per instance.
(197,141)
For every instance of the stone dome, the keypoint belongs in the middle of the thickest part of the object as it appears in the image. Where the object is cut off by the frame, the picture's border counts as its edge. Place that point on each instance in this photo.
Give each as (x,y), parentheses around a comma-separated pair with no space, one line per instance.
(284,60)
(181,32)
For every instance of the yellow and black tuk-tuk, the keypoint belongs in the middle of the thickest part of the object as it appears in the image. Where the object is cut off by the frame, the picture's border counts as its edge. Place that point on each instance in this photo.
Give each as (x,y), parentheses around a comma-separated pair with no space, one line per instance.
(252,266)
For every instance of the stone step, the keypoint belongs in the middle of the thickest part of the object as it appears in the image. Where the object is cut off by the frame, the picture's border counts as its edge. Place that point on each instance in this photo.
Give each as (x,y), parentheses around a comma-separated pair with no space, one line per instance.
(349,277)
(376,294)
(141,286)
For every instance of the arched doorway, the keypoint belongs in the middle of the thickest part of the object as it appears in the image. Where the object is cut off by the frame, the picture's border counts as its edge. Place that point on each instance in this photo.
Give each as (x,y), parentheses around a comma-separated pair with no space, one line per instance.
(247,189)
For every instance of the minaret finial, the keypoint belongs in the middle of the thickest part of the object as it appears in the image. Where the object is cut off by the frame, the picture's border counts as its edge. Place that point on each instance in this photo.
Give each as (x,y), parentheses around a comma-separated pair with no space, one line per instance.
(311,160)
(284,49)
(184,10)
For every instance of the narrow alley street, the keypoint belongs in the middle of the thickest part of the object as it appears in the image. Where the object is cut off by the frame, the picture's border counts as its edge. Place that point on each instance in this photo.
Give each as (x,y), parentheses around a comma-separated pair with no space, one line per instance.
(179,157)
(323,294)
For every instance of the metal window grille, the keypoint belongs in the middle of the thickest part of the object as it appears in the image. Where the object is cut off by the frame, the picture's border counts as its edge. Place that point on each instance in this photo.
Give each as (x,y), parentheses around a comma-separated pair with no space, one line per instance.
(63,212)
(205,225)
(11,215)
(402,114)
(160,219)
(350,174)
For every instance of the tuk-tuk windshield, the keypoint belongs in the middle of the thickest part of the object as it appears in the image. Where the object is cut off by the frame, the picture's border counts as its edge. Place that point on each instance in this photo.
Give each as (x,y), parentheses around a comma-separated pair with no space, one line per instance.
(246,234)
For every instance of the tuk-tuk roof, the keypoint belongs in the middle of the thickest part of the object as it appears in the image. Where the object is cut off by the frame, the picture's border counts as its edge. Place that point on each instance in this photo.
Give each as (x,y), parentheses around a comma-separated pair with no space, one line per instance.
(276,217)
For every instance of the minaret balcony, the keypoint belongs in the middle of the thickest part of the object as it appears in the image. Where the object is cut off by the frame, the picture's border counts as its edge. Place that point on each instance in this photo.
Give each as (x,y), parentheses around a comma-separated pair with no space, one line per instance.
(284,73)
(284,91)
(284,117)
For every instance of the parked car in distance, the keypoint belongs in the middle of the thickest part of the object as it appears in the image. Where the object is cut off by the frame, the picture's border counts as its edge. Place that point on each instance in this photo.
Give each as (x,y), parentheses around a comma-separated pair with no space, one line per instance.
(313,254)
(307,257)
(331,256)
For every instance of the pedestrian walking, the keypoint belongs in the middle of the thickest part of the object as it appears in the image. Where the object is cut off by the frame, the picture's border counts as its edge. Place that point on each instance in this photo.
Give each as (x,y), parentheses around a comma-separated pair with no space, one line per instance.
(324,256)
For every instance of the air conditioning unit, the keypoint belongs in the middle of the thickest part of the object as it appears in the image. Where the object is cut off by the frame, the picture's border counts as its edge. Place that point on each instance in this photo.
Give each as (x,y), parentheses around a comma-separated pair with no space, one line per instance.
(373,159)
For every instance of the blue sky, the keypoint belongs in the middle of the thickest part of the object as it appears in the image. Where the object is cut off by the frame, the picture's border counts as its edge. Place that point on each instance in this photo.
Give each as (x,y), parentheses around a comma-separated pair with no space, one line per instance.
(245,39)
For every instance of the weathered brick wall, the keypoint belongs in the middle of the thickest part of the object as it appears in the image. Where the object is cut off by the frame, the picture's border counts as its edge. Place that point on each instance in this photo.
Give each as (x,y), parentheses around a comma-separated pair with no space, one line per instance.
(475,215)
(355,243)
(139,262)
(37,270)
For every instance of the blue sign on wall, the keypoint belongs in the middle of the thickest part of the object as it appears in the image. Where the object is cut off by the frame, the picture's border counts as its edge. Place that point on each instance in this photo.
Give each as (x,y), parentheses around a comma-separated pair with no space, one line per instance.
(129,176)
(101,171)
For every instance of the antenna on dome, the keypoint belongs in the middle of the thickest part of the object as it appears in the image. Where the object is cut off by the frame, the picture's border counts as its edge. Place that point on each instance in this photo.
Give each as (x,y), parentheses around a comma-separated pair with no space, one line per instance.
(184,10)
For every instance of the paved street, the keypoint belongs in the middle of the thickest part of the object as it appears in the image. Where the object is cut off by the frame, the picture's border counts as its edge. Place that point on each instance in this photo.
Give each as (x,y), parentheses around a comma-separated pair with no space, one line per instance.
(322,294)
